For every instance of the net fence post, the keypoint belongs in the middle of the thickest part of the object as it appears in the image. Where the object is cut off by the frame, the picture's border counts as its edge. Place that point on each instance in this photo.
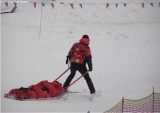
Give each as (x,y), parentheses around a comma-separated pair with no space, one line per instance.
(122,104)
(153,100)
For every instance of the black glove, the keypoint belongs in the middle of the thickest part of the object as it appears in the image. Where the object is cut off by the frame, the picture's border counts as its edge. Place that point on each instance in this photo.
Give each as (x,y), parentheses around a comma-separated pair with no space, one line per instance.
(90,69)
(67,60)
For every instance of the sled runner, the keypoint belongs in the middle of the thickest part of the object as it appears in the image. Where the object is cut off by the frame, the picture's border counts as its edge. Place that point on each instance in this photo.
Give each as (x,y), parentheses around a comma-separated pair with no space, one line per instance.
(41,90)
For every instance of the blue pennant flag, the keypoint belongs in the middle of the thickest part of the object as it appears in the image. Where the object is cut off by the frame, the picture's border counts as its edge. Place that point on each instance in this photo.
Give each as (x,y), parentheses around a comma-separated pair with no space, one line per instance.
(43,4)
(151,4)
(80,5)
(116,5)
(6,4)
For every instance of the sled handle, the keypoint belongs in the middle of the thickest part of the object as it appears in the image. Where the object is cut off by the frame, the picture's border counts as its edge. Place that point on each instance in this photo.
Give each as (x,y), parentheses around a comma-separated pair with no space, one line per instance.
(62,74)
(77,79)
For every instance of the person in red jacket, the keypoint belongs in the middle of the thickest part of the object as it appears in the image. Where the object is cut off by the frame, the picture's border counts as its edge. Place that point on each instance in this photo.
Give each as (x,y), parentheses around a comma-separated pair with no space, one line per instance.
(80,55)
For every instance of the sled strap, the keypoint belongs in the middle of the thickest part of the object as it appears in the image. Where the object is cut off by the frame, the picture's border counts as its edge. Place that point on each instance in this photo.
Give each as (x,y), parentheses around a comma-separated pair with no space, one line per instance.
(62,74)
(77,79)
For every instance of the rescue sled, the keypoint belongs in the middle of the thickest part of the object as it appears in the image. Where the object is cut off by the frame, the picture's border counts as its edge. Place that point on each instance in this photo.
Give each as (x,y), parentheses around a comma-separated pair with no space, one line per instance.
(41,90)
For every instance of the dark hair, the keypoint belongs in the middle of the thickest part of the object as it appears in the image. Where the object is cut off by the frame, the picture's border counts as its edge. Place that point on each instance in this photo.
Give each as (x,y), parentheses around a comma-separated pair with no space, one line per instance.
(86,36)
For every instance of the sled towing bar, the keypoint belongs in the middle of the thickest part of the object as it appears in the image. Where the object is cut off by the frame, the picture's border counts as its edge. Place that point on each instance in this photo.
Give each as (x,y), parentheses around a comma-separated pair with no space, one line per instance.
(62,74)
(74,80)
(77,79)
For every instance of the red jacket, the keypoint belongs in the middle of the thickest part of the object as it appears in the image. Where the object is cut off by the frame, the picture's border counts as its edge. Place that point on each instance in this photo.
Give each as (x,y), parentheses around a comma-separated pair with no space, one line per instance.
(88,56)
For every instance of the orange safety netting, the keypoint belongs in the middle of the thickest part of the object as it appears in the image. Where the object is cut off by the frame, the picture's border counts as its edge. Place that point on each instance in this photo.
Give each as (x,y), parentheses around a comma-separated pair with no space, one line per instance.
(147,104)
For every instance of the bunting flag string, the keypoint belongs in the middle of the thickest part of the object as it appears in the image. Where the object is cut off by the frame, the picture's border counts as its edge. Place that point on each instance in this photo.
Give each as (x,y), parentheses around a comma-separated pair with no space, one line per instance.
(107,5)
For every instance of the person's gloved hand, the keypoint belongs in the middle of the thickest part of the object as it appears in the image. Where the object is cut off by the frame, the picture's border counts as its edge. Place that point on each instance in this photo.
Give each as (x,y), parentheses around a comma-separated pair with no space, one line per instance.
(90,69)
(67,60)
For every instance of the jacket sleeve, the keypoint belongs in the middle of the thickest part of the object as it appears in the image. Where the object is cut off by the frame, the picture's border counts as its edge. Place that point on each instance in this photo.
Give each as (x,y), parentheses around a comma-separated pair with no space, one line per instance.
(70,52)
(69,55)
(89,61)
(89,58)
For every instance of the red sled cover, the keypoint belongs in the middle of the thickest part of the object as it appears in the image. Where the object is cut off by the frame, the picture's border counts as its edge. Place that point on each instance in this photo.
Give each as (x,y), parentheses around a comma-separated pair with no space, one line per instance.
(42,90)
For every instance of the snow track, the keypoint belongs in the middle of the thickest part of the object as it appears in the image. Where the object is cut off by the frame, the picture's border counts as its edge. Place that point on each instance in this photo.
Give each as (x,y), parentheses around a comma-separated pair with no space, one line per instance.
(125,46)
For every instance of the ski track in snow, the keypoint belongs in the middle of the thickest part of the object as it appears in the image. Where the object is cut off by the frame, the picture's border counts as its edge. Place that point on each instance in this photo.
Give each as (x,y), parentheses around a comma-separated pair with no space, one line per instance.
(125,46)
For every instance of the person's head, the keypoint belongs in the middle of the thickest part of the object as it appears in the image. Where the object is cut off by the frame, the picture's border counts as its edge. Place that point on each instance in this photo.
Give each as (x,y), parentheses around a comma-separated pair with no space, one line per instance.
(85,36)
(85,40)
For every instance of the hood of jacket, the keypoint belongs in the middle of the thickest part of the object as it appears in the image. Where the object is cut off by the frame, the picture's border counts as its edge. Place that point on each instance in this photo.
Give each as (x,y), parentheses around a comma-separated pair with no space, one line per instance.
(84,41)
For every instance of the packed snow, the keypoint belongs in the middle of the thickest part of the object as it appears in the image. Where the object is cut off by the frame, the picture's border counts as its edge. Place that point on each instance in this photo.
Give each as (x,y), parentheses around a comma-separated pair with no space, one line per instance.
(125,44)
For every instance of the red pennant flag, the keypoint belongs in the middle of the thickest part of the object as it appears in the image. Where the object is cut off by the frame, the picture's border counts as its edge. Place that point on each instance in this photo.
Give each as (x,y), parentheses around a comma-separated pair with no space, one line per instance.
(143,5)
(15,4)
(71,4)
(107,5)
(125,4)
(34,4)
(52,4)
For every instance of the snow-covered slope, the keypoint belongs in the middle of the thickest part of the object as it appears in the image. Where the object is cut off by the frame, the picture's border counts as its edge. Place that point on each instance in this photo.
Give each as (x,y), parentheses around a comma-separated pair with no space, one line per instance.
(125,46)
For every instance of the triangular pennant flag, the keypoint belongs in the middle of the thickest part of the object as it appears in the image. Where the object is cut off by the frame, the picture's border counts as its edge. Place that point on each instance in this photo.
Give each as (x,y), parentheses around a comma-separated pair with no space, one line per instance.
(34,4)
(43,4)
(151,4)
(15,4)
(125,4)
(107,5)
(143,5)
(52,4)
(71,4)
(80,5)
(116,5)
(6,3)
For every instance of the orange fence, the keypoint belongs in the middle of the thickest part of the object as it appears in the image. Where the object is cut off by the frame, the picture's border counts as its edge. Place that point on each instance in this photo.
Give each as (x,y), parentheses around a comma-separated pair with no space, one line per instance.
(148,104)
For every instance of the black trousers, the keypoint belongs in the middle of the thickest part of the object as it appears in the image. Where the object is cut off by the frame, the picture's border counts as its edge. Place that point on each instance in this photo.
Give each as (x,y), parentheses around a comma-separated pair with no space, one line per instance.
(82,69)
